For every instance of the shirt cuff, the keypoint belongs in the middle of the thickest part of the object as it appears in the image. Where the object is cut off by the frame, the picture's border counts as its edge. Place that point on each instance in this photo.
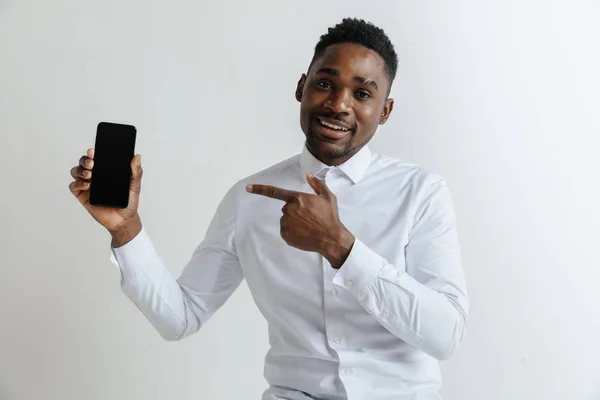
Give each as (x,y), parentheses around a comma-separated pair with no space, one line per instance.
(138,252)
(360,270)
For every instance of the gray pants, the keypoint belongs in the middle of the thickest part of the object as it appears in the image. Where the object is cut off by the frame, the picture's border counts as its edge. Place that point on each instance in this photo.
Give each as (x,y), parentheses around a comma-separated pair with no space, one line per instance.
(285,393)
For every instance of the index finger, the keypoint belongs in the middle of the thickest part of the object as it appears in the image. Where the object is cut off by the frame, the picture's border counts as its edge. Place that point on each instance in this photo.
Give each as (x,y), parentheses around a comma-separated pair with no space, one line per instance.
(273,192)
(87,161)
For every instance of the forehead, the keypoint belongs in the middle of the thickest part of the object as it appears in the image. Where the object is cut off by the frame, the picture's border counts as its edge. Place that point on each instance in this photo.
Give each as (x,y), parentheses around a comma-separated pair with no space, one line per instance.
(352,60)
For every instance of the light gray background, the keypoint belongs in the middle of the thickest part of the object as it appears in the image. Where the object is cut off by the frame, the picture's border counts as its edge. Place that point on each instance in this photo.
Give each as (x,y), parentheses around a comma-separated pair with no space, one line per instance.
(501,97)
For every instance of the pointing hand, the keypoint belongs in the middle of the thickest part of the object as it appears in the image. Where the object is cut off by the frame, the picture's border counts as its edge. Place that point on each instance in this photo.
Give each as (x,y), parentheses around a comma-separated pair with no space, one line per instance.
(311,222)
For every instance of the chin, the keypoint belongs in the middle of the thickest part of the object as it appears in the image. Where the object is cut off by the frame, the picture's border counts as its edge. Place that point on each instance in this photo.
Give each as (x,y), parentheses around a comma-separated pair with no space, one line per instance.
(325,150)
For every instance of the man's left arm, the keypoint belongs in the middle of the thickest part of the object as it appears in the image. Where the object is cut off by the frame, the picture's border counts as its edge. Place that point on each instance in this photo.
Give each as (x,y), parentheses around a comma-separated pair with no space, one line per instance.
(427,305)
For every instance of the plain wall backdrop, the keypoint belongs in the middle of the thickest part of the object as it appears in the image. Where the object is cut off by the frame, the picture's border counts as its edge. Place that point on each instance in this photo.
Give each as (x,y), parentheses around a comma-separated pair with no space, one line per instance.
(500,97)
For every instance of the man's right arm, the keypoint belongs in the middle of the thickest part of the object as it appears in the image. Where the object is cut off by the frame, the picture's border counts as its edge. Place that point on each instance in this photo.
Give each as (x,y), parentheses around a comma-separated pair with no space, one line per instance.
(179,307)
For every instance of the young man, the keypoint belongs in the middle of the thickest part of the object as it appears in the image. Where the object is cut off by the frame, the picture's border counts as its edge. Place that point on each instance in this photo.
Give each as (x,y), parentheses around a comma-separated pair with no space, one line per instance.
(351,256)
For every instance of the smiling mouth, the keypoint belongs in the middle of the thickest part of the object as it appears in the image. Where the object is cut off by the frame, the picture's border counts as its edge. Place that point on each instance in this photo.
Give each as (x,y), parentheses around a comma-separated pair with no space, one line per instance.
(332,129)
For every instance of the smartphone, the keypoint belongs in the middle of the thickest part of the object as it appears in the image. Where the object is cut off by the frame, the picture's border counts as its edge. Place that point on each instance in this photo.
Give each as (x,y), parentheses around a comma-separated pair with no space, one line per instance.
(111,174)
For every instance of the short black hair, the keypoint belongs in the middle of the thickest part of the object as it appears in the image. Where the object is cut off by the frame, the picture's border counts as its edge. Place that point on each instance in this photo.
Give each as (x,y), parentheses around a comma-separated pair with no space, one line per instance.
(359,31)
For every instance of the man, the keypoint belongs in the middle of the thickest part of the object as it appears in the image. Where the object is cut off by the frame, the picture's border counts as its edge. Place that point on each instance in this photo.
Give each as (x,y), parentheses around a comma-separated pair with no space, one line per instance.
(351,256)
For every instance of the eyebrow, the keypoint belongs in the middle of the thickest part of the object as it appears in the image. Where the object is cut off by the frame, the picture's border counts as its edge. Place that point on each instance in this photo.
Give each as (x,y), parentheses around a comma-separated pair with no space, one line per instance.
(335,72)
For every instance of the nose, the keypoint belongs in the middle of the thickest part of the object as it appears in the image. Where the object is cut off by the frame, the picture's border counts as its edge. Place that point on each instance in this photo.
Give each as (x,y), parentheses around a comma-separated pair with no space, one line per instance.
(338,101)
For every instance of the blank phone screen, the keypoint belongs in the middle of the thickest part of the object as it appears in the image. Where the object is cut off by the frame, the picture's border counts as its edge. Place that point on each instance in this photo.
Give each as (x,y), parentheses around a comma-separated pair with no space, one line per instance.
(111,173)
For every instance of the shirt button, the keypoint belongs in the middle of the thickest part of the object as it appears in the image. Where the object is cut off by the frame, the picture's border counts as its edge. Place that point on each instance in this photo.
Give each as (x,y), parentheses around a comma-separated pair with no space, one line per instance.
(336,340)
(349,281)
(383,315)
(332,292)
(348,371)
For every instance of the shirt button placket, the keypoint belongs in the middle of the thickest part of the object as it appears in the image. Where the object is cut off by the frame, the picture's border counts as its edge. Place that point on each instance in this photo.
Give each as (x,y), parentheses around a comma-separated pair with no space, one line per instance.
(330,301)
(333,323)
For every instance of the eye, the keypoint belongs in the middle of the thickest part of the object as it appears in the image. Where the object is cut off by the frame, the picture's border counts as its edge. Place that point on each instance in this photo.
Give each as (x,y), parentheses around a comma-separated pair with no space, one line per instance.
(363,94)
(324,84)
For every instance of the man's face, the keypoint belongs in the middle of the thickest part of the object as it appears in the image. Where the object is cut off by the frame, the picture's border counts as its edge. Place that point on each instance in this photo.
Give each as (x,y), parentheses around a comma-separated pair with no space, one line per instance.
(343,100)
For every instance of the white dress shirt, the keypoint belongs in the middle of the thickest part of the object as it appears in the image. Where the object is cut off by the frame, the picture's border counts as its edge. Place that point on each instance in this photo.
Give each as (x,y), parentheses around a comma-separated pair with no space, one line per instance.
(374,329)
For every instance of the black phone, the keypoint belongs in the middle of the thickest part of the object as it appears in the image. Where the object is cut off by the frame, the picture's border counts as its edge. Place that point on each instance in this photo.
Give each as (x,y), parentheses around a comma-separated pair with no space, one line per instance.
(111,173)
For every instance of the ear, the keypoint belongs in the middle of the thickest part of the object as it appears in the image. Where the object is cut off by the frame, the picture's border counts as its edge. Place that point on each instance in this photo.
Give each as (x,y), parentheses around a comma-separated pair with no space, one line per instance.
(300,87)
(387,110)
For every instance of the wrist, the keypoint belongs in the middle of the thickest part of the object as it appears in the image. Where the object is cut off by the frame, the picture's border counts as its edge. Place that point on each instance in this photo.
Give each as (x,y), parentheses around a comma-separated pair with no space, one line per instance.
(339,248)
(126,231)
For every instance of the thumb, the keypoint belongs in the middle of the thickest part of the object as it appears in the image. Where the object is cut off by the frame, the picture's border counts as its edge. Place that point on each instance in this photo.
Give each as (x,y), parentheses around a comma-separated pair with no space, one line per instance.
(136,173)
(319,186)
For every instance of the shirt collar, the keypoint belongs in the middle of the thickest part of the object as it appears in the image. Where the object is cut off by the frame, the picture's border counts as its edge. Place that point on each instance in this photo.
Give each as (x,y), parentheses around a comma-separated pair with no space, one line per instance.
(354,168)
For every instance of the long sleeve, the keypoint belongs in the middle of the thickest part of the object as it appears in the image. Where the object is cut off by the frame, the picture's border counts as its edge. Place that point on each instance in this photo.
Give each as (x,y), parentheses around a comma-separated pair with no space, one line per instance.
(179,307)
(426,305)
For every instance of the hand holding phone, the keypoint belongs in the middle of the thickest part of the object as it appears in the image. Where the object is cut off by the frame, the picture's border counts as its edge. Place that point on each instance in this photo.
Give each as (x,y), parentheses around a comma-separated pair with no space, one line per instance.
(108,177)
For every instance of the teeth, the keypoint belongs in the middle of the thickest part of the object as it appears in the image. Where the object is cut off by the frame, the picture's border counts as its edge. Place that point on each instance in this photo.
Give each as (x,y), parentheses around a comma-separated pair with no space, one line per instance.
(332,126)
